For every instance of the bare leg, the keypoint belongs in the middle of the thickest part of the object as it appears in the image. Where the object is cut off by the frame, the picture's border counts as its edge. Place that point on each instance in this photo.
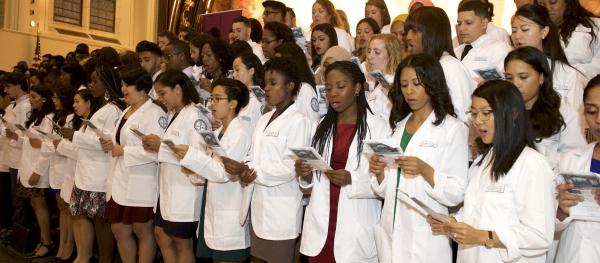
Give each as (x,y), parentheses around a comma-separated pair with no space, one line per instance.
(125,241)
(42,214)
(147,246)
(84,238)
(185,250)
(66,229)
(165,243)
(106,240)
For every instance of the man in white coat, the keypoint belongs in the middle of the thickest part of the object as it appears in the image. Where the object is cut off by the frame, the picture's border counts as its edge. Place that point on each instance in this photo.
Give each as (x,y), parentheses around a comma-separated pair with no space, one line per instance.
(478,51)
(242,28)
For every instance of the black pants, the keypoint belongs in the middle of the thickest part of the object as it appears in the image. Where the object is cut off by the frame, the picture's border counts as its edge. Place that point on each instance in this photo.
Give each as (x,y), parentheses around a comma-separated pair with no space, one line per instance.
(7,199)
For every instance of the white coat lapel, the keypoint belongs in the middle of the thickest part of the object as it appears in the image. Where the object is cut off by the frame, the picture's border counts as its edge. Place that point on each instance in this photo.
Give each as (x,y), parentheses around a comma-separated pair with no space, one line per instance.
(419,138)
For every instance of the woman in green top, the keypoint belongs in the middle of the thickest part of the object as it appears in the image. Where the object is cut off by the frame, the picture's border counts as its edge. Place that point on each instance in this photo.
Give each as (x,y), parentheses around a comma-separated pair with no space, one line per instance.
(432,169)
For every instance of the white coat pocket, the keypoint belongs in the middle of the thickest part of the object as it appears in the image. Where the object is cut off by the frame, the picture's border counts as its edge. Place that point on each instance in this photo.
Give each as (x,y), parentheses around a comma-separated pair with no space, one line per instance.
(142,188)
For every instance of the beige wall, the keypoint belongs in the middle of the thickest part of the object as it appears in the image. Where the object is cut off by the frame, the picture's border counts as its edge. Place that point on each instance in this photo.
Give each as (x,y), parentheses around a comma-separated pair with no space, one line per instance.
(135,21)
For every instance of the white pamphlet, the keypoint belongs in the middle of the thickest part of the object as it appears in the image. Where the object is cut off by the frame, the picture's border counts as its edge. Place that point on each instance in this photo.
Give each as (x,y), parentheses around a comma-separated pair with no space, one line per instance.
(311,156)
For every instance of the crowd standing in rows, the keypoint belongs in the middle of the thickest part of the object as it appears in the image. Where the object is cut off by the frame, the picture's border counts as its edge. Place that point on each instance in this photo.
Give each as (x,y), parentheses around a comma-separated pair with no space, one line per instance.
(485,122)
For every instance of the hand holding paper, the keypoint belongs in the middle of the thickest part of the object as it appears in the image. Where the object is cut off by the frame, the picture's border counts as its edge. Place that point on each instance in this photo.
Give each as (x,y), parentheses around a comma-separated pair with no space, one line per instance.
(311,157)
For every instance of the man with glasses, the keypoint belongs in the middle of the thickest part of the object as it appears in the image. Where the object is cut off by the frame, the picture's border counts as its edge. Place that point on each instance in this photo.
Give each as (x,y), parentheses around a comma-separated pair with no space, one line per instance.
(177,56)
(275,11)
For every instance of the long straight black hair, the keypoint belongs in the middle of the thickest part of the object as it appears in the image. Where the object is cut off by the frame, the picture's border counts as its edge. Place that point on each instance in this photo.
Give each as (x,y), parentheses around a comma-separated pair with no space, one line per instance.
(326,130)
(544,116)
(431,76)
(512,131)
(37,115)
(551,43)
(329,30)
(574,16)
(434,26)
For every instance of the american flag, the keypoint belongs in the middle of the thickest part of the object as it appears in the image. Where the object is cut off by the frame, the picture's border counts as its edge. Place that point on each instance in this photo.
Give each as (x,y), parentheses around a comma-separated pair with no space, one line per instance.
(37,55)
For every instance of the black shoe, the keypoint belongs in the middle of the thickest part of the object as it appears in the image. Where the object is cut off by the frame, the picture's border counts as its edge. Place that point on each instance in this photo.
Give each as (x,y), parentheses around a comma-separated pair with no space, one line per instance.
(49,249)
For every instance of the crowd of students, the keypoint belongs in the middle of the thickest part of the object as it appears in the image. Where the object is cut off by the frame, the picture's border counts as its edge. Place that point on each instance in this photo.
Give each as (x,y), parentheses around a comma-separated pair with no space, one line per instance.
(122,146)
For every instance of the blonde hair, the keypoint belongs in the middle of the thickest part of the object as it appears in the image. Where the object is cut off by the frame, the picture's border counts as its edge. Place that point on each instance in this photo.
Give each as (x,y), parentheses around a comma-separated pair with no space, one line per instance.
(392,46)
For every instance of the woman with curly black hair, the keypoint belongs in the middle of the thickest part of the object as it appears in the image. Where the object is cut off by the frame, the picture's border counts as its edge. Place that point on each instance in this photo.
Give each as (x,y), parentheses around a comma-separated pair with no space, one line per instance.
(433,167)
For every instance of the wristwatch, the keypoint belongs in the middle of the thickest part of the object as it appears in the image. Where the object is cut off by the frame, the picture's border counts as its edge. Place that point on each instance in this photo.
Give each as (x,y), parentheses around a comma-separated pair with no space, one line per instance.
(489,243)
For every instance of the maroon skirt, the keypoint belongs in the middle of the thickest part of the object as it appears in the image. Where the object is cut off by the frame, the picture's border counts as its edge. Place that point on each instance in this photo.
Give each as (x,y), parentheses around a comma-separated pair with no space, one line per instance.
(116,213)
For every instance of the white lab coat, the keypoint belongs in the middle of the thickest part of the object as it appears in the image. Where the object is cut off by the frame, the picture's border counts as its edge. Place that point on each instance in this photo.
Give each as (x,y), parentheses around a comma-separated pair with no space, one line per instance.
(56,163)
(377,96)
(276,207)
(16,113)
(69,150)
(307,102)
(358,208)
(252,111)
(257,50)
(460,84)
(180,200)
(582,53)
(133,177)
(569,138)
(32,158)
(569,83)
(486,53)
(580,240)
(495,32)
(386,29)
(222,230)
(519,208)
(406,236)
(93,164)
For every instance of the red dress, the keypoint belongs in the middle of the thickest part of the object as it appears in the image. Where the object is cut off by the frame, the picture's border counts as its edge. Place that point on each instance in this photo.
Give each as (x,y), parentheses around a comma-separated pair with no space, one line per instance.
(339,156)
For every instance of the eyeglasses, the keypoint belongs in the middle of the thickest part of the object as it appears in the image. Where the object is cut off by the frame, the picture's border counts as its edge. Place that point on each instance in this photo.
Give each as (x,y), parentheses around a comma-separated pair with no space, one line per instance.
(215,99)
(268,12)
(482,115)
(168,56)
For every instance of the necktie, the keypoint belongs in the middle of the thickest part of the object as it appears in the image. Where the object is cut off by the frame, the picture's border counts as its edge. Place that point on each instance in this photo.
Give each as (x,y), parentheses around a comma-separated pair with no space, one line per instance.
(466,51)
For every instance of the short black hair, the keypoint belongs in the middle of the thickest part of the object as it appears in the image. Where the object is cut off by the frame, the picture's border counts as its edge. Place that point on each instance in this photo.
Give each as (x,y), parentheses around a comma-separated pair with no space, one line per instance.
(257,30)
(235,90)
(480,9)
(168,34)
(146,45)
(279,6)
(280,31)
(16,78)
(288,69)
(242,19)
(240,47)
(182,47)
(134,74)
(82,48)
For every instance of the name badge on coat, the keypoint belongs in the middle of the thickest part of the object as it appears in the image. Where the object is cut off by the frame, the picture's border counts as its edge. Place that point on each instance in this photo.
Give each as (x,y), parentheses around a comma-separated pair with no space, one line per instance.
(495,188)
(480,59)
(272,134)
(427,144)
(175,133)
(134,126)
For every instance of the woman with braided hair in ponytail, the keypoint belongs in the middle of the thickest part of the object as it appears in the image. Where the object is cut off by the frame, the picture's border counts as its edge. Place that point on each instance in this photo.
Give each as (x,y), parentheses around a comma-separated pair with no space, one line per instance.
(93,166)
(342,200)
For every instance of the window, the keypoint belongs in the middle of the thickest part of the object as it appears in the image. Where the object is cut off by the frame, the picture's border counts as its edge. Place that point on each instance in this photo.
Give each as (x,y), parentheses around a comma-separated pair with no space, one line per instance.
(68,11)
(102,15)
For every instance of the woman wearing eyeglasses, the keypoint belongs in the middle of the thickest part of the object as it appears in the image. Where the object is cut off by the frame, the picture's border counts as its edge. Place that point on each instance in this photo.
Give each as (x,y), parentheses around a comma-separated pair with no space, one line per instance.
(508,212)
(223,234)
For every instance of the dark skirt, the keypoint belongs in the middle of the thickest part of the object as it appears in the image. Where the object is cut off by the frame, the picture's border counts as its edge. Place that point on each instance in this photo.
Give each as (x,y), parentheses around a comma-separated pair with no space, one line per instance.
(87,203)
(177,229)
(203,251)
(116,213)
(25,192)
(280,251)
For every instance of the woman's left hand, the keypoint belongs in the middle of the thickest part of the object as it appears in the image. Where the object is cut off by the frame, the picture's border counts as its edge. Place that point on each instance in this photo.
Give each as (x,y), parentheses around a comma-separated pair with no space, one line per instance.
(413,166)
(107,145)
(233,167)
(465,234)
(339,177)
(117,150)
(180,150)
(34,179)
(35,143)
